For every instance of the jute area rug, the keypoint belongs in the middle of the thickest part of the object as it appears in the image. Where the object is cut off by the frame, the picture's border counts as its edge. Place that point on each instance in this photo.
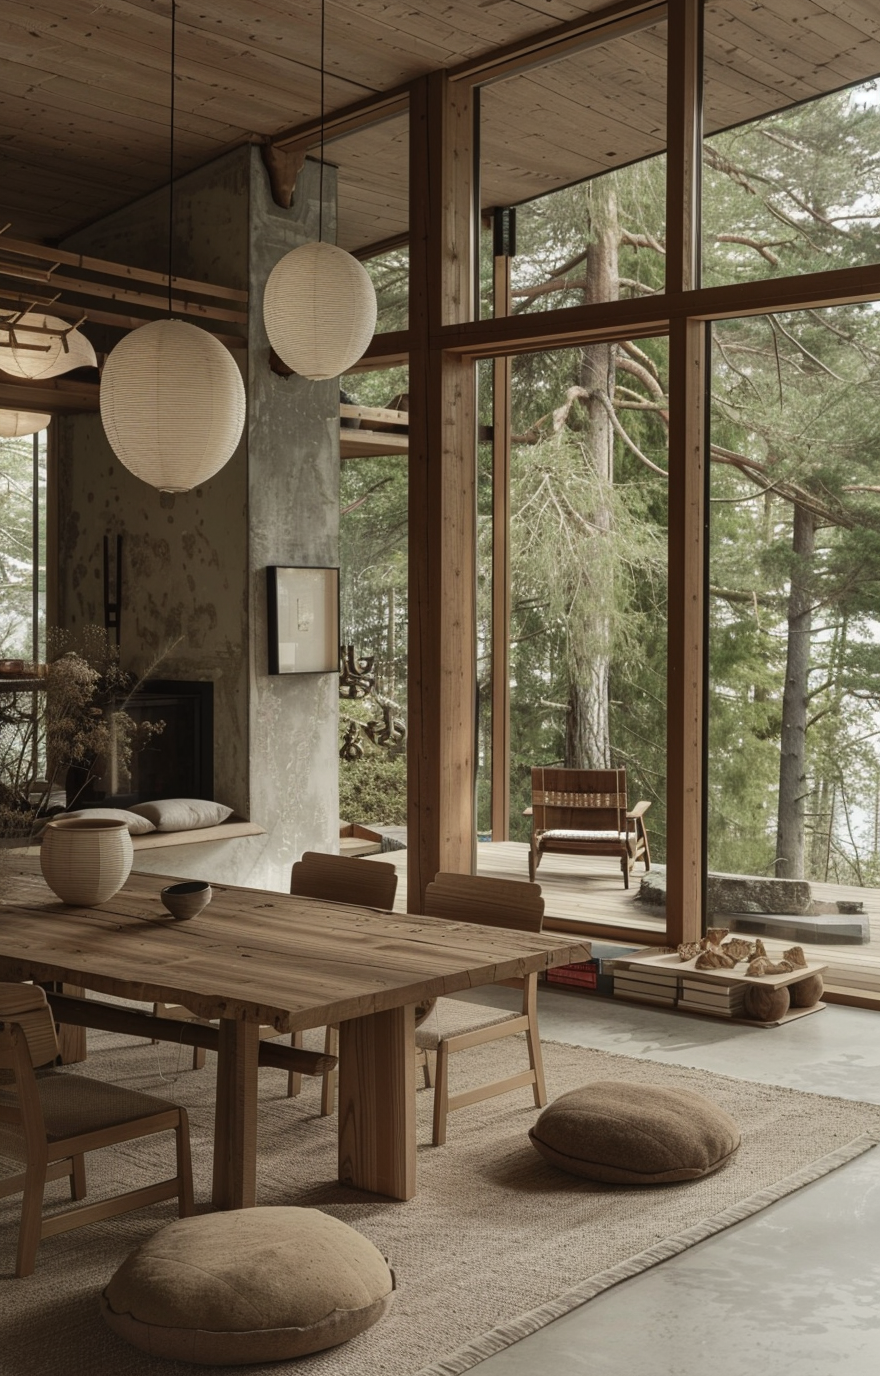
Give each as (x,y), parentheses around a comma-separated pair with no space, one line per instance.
(496,1243)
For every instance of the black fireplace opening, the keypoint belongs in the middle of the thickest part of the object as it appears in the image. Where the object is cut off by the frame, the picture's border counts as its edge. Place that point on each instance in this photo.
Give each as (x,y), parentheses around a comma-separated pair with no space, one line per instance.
(177,762)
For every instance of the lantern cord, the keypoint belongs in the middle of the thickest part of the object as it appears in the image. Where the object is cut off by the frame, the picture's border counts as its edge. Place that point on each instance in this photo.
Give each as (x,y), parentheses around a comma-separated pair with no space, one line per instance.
(171,155)
(321,173)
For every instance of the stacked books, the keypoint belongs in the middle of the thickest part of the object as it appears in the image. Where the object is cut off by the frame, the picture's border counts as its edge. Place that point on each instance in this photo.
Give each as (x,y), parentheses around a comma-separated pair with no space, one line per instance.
(640,985)
(705,996)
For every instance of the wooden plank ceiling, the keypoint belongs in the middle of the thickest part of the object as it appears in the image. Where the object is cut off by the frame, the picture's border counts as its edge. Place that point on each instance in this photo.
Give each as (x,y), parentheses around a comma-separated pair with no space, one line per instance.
(84,92)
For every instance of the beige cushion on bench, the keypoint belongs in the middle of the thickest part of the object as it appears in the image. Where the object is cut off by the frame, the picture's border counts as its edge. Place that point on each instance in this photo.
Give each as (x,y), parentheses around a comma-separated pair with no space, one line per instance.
(249,1285)
(631,1134)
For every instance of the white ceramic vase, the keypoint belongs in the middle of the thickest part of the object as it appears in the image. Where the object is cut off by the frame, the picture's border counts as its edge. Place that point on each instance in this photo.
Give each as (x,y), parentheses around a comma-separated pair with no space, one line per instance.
(85,861)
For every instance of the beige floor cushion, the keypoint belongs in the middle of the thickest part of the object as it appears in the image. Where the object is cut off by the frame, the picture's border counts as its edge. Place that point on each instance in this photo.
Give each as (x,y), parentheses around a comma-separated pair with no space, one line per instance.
(249,1285)
(626,1134)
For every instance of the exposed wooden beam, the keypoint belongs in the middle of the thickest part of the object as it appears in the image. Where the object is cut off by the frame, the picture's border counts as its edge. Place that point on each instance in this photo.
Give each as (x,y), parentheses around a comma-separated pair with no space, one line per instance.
(627,17)
(75,314)
(105,268)
(370,110)
(105,291)
(52,394)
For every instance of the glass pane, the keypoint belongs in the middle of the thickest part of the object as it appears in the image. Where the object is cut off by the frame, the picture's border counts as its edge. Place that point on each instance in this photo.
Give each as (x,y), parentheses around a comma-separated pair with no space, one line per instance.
(373,491)
(791,161)
(794,645)
(583,163)
(373,201)
(588,555)
(22,548)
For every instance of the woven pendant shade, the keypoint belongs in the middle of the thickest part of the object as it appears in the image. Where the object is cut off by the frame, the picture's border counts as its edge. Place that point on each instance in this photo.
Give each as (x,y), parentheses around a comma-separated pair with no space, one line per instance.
(320,310)
(50,358)
(172,404)
(16,423)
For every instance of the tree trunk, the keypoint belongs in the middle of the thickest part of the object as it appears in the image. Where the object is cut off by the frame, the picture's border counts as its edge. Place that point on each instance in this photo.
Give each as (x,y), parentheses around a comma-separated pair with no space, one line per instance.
(793,746)
(587,743)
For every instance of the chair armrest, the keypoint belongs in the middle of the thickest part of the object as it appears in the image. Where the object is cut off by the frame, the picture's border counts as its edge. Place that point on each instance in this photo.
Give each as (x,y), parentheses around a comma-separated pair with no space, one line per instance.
(639,810)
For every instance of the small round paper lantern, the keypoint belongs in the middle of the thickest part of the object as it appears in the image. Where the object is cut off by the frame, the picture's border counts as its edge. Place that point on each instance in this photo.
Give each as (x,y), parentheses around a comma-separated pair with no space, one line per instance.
(319,308)
(172,404)
(50,358)
(16,423)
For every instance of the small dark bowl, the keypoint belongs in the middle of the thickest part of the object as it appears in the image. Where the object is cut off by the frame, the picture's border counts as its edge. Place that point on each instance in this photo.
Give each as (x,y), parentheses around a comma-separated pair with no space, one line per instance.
(186,900)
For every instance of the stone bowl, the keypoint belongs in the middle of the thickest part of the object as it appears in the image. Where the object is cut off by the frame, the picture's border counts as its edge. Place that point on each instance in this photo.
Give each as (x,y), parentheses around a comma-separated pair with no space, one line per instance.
(186,900)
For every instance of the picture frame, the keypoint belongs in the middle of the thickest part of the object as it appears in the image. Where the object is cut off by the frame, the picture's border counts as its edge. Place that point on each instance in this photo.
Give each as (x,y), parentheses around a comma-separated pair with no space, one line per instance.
(303,620)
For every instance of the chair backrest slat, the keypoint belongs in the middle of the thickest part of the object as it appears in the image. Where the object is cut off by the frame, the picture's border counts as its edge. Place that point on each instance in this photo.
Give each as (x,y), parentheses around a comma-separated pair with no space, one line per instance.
(25,1004)
(490,902)
(578,799)
(344,879)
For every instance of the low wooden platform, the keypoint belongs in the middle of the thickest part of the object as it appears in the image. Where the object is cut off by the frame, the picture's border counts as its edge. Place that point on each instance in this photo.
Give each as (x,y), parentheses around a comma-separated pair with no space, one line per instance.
(589,889)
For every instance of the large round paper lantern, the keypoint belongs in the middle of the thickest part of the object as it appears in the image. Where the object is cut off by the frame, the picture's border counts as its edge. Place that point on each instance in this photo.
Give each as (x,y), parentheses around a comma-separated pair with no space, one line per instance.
(28,352)
(172,404)
(319,307)
(16,423)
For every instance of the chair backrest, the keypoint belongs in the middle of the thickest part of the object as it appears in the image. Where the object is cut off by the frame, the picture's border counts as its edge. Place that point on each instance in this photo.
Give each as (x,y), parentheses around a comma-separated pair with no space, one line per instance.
(344,879)
(578,799)
(491,902)
(25,1004)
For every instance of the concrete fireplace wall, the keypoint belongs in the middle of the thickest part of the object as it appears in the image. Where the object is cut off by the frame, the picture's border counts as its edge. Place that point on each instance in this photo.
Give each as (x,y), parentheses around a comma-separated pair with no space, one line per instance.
(194,583)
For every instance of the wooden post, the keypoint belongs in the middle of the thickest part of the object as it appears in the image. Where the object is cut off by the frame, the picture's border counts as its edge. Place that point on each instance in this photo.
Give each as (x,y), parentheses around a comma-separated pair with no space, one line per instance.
(442,491)
(377,1103)
(501,368)
(235,1116)
(687,383)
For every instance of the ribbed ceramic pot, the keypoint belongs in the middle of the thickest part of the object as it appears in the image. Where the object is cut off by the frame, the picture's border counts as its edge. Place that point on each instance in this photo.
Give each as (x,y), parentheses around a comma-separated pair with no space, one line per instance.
(85,861)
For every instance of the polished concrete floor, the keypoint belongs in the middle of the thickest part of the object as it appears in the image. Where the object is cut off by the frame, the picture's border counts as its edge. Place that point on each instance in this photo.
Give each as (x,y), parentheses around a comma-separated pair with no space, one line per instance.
(794,1291)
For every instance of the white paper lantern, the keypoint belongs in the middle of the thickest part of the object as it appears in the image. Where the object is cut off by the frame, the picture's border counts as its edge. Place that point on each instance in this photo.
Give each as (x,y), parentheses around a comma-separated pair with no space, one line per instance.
(319,307)
(15,423)
(49,358)
(172,404)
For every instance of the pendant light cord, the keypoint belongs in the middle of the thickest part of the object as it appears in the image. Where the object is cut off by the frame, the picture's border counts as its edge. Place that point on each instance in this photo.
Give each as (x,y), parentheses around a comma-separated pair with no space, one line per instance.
(171,155)
(321,173)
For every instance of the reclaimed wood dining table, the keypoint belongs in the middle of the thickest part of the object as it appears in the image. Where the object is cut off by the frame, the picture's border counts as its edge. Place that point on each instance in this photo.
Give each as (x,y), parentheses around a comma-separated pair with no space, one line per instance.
(255,958)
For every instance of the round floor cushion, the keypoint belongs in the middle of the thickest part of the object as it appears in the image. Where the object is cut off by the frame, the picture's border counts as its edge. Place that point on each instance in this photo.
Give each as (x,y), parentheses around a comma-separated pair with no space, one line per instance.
(249,1285)
(632,1134)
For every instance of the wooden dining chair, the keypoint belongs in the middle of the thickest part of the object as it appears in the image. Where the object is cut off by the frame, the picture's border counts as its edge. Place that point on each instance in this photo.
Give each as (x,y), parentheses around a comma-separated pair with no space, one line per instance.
(48,1121)
(455,1024)
(338,879)
(584,812)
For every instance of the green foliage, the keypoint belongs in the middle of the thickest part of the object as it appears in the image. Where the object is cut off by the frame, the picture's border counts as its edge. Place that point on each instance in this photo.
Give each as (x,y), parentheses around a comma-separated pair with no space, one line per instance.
(373,789)
(795,420)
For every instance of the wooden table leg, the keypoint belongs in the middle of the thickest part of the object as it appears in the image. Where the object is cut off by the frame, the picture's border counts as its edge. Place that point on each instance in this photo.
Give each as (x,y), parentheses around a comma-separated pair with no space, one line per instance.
(235,1116)
(377,1103)
(71,1040)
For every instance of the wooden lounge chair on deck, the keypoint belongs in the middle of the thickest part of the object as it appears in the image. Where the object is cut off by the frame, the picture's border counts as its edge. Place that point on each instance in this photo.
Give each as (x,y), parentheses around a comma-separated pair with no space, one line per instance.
(583,812)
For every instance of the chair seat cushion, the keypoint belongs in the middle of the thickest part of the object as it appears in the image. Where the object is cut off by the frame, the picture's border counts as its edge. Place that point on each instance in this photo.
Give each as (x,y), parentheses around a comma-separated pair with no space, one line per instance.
(249,1285)
(75,1104)
(453,1017)
(631,1134)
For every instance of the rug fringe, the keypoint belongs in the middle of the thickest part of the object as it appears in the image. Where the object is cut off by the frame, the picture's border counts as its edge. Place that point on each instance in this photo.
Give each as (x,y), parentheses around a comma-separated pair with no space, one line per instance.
(505,1335)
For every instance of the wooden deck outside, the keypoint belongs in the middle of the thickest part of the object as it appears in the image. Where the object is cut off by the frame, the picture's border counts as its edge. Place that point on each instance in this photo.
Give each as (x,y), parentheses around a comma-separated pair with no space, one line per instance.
(590,889)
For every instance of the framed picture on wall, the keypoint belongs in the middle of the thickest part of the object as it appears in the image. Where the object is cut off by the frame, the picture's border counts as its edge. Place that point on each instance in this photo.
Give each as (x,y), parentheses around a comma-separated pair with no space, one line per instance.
(303,607)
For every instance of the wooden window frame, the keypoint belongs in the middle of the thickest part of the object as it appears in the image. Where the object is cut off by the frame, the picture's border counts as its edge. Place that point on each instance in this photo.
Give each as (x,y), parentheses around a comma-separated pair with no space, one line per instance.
(443,344)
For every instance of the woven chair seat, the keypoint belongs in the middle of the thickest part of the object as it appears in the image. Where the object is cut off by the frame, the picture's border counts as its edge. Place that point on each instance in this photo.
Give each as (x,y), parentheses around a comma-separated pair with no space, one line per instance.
(562,835)
(454,1017)
(73,1104)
